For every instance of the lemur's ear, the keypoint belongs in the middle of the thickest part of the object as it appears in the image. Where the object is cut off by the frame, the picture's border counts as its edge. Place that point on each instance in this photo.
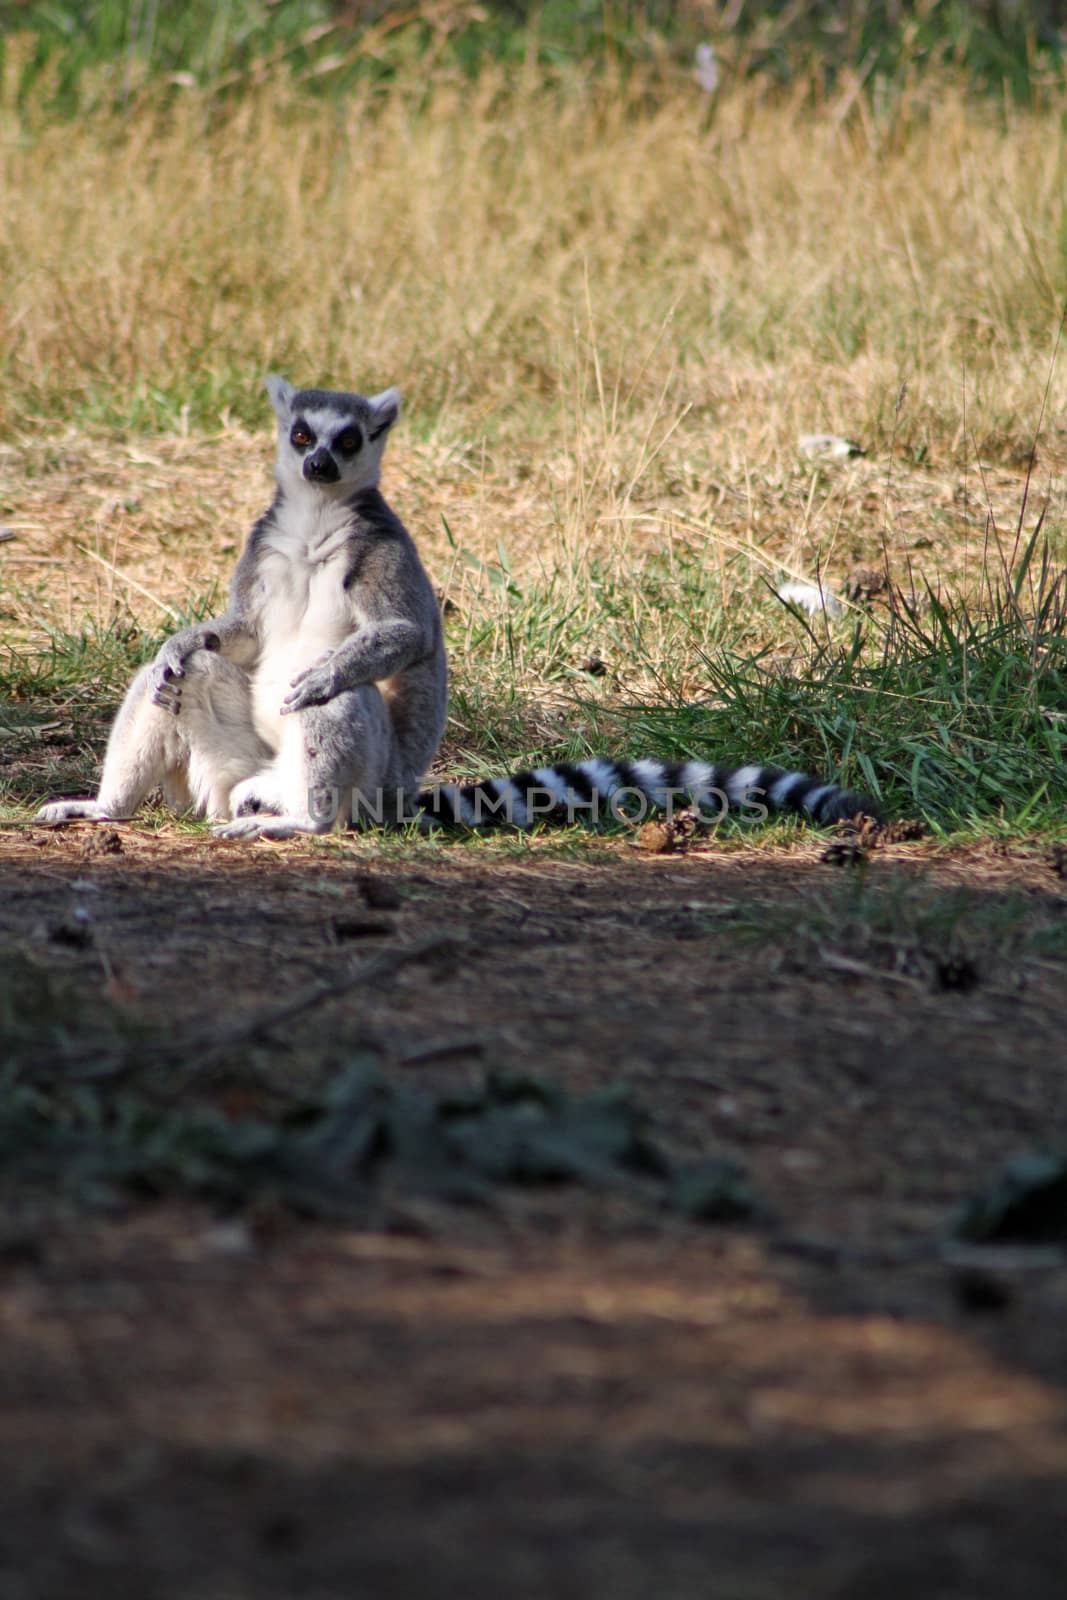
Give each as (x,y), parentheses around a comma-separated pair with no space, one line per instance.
(281,394)
(384,410)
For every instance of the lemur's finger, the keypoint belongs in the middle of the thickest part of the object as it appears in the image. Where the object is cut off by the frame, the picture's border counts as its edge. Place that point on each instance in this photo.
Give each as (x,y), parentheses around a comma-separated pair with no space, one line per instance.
(303,695)
(169,699)
(240,828)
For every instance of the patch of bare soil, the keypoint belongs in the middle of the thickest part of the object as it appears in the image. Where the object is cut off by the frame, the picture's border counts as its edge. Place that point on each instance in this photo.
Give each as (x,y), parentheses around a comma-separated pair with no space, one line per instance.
(568,1392)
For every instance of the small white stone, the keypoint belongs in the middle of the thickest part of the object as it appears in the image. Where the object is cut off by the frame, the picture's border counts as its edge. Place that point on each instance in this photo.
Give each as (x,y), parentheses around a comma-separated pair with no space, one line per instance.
(810,597)
(831,445)
(707,68)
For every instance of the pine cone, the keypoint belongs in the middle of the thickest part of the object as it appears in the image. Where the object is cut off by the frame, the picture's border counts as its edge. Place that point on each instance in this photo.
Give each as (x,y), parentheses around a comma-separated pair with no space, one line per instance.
(668,835)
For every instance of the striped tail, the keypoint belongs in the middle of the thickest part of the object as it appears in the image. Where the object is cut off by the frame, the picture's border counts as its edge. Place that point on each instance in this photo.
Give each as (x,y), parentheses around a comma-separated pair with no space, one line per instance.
(600,790)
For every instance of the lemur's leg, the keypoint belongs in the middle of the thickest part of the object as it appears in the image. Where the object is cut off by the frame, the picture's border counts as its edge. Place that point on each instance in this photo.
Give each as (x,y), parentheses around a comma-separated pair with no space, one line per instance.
(265,792)
(217,733)
(197,756)
(418,709)
(334,757)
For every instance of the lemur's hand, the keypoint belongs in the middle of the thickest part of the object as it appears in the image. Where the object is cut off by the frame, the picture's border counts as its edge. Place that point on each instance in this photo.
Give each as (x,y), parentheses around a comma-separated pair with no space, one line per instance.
(169,666)
(312,687)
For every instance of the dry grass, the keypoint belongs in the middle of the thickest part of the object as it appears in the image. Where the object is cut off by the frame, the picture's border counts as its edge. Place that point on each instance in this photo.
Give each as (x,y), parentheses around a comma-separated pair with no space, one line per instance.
(783,269)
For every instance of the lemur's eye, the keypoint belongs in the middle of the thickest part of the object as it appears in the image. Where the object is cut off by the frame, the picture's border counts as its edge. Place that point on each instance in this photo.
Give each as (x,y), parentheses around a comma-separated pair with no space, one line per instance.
(349,442)
(301,436)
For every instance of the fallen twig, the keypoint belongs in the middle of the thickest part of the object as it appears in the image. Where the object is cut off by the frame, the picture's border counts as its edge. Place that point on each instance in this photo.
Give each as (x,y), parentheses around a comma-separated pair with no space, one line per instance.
(202,1050)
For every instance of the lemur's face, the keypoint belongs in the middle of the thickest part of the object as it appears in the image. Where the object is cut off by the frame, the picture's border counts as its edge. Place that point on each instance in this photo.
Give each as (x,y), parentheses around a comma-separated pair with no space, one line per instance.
(329,440)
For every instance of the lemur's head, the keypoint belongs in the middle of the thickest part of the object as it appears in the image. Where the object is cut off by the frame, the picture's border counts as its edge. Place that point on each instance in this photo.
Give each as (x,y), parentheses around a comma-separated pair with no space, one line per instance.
(330,442)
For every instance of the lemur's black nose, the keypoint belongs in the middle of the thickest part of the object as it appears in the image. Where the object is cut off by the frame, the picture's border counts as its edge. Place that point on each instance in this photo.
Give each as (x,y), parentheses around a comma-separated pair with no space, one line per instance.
(321,467)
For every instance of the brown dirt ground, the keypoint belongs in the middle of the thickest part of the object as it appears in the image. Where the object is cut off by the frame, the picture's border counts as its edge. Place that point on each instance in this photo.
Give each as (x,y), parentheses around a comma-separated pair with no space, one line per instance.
(564,1397)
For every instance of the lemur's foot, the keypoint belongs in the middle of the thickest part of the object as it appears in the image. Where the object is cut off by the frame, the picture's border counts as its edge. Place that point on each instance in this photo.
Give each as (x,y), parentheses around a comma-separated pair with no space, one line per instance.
(252,797)
(239,828)
(268,828)
(72,811)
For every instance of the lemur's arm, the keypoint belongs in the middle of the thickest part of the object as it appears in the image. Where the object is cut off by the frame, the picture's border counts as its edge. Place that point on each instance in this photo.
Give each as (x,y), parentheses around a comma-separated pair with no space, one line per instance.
(396,620)
(233,633)
(375,651)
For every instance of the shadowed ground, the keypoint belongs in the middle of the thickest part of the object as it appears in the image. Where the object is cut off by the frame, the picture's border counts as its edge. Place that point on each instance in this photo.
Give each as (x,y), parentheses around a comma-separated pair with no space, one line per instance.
(563,1391)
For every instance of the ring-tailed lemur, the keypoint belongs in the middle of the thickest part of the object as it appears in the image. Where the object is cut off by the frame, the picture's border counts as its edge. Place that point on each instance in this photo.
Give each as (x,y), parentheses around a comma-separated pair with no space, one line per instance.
(320,692)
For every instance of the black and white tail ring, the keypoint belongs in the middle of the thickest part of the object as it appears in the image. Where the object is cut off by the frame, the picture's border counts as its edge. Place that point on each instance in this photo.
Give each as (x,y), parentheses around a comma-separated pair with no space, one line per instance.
(602,790)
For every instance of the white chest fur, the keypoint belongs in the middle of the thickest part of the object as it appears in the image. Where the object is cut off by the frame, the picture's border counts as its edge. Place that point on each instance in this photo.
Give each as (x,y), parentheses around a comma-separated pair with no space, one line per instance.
(306,609)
